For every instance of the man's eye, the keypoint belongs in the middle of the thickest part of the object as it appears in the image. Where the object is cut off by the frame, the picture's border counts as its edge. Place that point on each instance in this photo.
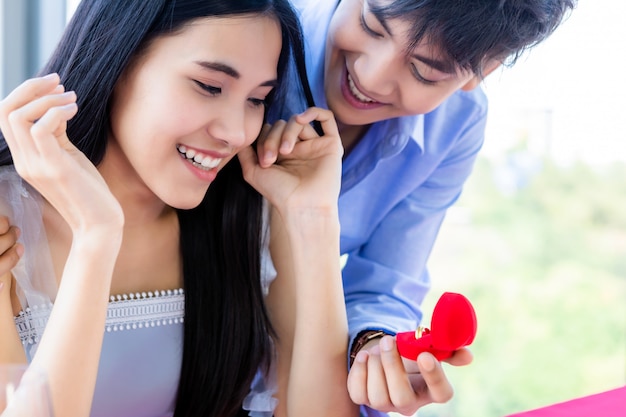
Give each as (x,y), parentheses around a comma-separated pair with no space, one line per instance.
(419,77)
(367,29)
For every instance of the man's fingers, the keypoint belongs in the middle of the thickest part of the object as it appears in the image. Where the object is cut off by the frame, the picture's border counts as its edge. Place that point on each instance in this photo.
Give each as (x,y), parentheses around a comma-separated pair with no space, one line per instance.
(377,390)
(357,379)
(438,385)
(401,392)
(461,357)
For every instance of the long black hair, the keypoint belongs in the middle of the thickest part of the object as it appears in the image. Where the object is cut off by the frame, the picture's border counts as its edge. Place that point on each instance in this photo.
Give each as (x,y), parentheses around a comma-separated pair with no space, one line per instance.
(226,330)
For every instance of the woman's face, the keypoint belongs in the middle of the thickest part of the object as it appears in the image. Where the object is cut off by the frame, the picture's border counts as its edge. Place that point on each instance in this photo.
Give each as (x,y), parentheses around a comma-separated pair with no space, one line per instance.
(369,76)
(186,106)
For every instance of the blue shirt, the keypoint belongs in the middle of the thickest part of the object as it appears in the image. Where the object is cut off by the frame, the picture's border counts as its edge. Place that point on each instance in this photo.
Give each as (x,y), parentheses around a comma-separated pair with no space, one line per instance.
(397,183)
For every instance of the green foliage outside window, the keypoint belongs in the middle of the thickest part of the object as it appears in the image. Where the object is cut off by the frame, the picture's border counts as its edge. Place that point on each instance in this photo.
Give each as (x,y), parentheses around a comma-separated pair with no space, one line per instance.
(540,250)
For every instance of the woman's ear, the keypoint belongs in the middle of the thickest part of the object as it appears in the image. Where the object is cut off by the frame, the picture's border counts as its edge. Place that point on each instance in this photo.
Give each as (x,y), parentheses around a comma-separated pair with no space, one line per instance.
(476,80)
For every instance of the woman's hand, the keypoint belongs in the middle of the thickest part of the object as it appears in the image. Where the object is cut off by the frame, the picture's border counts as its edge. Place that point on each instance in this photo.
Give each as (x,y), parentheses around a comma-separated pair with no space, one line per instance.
(11,350)
(10,250)
(381,379)
(302,185)
(307,171)
(33,119)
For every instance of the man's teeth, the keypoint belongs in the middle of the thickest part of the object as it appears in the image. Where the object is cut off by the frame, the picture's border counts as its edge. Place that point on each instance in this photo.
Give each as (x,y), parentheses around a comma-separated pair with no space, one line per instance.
(197,159)
(357,93)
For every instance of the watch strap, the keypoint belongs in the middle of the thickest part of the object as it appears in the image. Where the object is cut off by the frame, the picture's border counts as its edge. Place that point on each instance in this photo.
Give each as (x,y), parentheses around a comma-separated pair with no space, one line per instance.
(362,339)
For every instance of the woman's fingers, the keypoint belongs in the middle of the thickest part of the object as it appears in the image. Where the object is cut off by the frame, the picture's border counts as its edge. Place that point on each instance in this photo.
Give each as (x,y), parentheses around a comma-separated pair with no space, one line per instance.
(325,117)
(10,258)
(10,250)
(28,91)
(42,115)
(38,136)
(269,143)
(25,93)
(50,128)
(9,238)
(31,114)
(283,136)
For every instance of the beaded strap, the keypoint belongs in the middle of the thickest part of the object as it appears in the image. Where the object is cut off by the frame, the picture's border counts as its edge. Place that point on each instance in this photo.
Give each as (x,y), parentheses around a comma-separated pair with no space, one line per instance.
(125,312)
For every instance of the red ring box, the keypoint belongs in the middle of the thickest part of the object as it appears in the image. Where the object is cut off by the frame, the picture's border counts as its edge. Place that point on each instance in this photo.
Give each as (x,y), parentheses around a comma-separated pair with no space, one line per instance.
(453,326)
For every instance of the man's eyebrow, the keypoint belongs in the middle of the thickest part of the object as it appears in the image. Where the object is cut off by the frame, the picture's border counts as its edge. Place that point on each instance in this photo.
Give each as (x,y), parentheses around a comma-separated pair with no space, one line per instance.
(230,71)
(443,66)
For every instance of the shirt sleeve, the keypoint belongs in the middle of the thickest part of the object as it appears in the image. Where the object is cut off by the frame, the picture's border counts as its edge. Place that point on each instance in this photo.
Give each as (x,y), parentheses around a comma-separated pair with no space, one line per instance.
(386,279)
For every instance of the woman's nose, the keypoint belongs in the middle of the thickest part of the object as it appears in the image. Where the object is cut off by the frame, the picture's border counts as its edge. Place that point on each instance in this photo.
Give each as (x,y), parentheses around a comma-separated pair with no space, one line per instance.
(229,126)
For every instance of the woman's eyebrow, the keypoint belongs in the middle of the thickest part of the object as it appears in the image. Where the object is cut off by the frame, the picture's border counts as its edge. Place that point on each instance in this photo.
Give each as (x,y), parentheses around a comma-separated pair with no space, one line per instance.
(230,71)
(219,66)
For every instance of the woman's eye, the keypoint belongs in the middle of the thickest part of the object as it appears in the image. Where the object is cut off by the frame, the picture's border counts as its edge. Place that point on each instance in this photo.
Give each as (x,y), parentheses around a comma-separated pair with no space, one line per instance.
(367,29)
(419,77)
(258,102)
(209,88)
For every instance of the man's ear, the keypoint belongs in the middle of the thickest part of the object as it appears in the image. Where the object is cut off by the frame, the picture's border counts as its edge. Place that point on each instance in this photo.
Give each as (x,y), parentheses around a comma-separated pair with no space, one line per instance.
(476,80)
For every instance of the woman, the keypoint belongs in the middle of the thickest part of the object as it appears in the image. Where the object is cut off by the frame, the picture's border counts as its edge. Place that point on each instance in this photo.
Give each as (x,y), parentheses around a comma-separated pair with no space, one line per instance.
(122,151)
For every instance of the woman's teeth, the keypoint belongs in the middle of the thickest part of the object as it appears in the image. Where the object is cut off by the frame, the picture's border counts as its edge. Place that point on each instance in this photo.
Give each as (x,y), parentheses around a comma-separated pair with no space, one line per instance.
(357,93)
(197,159)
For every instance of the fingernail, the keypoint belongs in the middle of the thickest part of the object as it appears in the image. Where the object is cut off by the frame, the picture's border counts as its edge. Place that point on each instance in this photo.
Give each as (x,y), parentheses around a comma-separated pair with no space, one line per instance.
(386,343)
(20,250)
(50,76)
(2,286)
(427,362)
(284,147)
(269,156)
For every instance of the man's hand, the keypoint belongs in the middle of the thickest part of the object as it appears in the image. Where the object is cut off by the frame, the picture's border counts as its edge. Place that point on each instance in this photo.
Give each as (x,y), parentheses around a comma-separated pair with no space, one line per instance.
(381,379)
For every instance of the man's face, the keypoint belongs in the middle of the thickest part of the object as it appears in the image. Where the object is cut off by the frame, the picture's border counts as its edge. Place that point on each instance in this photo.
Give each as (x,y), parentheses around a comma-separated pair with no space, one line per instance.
(371,75)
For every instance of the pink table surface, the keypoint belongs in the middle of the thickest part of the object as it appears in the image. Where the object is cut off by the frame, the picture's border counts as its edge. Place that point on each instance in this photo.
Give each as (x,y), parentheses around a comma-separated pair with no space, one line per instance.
(605,404)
